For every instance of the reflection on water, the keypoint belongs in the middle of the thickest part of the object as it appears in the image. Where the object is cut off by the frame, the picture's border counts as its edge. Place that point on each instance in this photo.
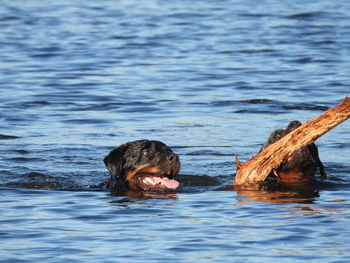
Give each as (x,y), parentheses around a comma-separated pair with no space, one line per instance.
(133,196)
(291,196)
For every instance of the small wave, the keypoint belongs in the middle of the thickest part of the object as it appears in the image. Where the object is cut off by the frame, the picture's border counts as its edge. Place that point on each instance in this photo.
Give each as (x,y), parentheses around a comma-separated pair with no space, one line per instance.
(7,137)
(85,121)
(303,60)
(306,15)
(10,18)
(34,180)
(256,101)
(254,15)
(305,107)
(22,151)
(24,159)
(224,103)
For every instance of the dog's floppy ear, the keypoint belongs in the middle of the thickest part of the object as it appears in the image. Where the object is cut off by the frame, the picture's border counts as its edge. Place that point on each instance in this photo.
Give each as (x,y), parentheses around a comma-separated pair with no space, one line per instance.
(114,161)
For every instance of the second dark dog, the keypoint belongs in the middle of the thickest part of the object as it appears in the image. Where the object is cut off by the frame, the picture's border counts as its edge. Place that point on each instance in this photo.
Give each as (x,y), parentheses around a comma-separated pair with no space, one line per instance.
(300,168)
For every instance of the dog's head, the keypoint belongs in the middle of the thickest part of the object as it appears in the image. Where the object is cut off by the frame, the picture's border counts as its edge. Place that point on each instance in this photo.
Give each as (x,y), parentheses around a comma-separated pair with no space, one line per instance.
(300,167)
(143,165)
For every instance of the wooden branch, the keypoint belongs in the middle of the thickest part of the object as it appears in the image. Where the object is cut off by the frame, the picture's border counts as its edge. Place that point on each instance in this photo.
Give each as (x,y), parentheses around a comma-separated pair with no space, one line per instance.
(260,166)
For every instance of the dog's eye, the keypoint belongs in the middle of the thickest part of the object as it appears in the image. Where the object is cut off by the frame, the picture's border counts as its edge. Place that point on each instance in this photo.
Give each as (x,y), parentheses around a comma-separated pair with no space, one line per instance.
(145,153)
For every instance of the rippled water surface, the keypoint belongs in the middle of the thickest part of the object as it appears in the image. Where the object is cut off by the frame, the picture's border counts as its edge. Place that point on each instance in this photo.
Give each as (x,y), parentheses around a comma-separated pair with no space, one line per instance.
(211,79)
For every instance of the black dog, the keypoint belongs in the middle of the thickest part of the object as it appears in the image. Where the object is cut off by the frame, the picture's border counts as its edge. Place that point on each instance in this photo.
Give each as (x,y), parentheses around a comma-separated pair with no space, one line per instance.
(300,168)
(142,166)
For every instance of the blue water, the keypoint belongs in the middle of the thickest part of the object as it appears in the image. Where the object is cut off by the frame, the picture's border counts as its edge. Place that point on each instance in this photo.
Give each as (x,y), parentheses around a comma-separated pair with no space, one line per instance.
(211,79)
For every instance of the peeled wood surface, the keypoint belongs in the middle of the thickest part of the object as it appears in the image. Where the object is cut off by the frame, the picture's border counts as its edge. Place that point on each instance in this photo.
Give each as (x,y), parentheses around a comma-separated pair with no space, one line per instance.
(259,167)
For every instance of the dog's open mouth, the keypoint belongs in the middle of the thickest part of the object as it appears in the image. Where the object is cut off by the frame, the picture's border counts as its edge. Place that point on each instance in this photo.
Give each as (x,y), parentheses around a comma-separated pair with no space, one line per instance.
(152,178)
(150,182)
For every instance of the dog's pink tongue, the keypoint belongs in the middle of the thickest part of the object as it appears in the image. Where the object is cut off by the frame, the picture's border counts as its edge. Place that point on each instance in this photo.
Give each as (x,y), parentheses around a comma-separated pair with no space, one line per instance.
(159,182)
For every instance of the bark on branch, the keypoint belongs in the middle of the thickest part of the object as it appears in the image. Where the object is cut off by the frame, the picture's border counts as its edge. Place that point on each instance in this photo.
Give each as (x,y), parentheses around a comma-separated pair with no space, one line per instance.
(259,167)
